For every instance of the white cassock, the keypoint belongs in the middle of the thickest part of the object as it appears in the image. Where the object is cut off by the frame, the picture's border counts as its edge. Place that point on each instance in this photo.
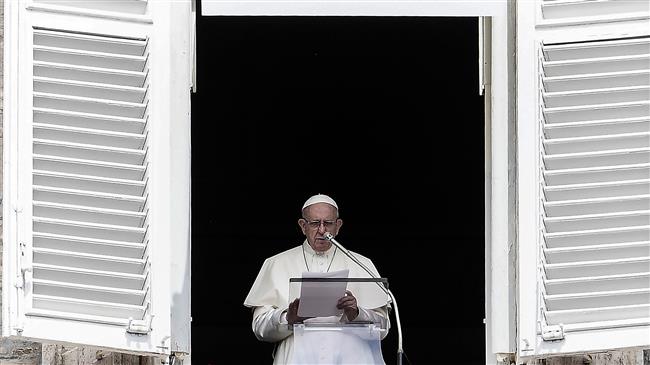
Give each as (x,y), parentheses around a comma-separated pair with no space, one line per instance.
(269,296)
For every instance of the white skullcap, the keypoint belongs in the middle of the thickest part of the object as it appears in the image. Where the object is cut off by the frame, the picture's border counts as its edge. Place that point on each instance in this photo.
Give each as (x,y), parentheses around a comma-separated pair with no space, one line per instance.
(320,198)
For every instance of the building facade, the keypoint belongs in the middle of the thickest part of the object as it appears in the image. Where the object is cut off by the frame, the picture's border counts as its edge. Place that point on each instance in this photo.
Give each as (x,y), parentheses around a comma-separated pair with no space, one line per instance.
(567,191)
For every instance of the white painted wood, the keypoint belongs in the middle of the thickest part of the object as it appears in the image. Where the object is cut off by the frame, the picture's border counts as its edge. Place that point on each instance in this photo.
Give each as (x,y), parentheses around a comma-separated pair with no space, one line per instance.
(527,186)
(88,11)
(125,6)
(353,8)
(596,217)
(569,12)
(584,169)
(178,111)
(88,163)
(499,202)
(10,207)
(501,241)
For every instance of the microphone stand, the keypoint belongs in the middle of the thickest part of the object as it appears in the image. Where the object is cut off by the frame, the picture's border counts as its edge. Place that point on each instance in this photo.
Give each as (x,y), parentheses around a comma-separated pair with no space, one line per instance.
(400,350)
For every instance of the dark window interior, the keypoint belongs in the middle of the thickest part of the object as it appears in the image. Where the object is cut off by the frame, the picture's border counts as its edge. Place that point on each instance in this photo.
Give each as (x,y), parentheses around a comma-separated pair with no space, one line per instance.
(381,113)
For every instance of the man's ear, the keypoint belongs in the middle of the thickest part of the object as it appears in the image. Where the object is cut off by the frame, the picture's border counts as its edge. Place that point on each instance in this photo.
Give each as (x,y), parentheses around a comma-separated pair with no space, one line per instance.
(339,223)
(302,222)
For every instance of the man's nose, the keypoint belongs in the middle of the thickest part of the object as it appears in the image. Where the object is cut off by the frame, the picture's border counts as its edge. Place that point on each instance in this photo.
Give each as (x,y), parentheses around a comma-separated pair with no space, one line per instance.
(321,228)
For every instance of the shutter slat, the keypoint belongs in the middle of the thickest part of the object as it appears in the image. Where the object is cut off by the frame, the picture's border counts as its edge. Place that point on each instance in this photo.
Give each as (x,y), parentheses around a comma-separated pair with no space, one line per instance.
(89,136)
(79,41)
(603,157)
(89,89)
(88,198)
(112,6)
(89,152)
(89,74)
(88,261)
(77,317)
(597,174)
(614,298)
(640,311)
(596,65)
(619,47)
(89,105)
(597,236)
(89,245)
(90,277)
(79,213)
(597,252)
(597,268)
(597,112)
(134,188)
(90,230)
(88,307)
(596,206)
(563,9)
(89,167)
(596,128)
(89,292)
(82,57)
(597,221)
(599,96)
(598,283)
(596,143)
(596,81)
(597,190)
(89,121)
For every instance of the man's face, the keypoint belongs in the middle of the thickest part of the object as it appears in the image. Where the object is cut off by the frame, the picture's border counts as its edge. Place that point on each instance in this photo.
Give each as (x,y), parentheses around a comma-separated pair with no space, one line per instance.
(318,219)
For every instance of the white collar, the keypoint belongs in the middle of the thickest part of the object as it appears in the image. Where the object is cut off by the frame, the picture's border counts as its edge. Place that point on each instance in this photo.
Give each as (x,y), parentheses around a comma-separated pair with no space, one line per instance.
(312,252)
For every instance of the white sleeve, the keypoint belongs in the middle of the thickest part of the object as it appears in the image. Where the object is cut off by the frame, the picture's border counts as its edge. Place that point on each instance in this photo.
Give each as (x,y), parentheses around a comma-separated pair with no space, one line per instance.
(377,315)
(270,324)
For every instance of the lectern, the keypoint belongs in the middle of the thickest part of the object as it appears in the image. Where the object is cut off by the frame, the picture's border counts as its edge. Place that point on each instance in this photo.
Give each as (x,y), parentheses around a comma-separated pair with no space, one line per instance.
(337,343)
(327,340)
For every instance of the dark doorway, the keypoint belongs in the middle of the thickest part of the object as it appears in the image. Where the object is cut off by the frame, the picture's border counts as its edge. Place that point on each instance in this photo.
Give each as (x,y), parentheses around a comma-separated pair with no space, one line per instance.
(384,115)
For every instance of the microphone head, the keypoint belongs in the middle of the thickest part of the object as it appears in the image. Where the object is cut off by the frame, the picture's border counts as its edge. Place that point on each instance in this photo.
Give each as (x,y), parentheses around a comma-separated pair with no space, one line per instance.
(328,236)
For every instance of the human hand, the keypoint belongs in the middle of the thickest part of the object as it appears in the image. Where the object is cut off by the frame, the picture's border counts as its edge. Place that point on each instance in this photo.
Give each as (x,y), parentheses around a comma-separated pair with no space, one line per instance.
(292,313)
(349,305)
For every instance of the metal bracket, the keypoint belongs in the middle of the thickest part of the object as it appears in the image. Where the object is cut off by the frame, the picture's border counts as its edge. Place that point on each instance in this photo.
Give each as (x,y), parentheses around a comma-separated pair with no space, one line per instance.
(139,326)
(553,333)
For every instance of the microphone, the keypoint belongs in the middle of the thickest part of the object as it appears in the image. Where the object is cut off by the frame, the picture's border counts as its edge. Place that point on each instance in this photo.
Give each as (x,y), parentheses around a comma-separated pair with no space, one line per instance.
(400,350)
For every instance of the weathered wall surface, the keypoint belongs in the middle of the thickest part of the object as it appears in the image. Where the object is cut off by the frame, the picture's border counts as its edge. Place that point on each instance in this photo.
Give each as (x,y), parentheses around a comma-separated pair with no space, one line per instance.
(609,358)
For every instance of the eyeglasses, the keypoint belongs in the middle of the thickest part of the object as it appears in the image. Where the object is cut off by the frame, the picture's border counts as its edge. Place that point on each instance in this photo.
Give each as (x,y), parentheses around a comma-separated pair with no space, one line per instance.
(314,224)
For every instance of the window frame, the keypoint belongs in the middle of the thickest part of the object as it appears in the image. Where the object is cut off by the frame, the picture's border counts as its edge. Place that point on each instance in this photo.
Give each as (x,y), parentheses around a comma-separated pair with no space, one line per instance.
(498,71)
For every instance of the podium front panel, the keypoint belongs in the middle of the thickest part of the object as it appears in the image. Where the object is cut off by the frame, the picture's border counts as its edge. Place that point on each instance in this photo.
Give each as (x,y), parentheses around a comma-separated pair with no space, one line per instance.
(337,343)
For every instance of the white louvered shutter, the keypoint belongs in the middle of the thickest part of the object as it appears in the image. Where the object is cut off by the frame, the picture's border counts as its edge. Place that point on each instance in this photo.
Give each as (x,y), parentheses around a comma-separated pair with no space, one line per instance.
(90,244)
(595,102)
(584,142)
(92,259)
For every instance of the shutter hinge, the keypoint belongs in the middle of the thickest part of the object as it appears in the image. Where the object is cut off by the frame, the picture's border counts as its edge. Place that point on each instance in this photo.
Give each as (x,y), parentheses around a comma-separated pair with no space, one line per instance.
(24,267)
(553,333)
(139,326)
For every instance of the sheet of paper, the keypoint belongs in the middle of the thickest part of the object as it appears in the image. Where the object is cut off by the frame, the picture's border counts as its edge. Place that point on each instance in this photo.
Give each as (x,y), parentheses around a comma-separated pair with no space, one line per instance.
(318,298)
